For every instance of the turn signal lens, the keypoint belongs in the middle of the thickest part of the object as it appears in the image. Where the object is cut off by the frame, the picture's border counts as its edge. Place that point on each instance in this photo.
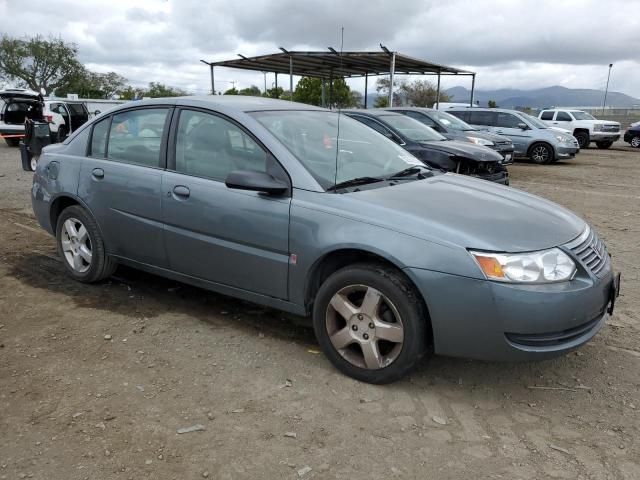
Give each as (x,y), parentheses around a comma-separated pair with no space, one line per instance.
(490,266)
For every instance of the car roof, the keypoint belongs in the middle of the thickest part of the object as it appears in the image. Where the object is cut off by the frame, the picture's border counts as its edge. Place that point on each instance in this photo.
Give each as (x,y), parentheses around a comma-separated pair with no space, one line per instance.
(371,112)
(418,109)
(483,109)
(238,103)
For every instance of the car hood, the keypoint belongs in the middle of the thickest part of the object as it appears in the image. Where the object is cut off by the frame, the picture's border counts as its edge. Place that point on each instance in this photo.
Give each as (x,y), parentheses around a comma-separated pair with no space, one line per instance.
(604,122)
(460,211)
(459,148)
(562,130)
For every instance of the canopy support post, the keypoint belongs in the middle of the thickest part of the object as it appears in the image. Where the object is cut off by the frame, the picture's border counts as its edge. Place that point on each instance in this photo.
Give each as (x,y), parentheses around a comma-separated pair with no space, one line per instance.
(322,94)
(392,72)
(213,87)
(438,93)
(366,81)
(291,77)
(473,87)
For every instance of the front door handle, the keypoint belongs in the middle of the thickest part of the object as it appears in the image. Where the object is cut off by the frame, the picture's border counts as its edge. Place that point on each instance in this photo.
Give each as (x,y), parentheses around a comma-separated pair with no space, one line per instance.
(98,173)
(181,191)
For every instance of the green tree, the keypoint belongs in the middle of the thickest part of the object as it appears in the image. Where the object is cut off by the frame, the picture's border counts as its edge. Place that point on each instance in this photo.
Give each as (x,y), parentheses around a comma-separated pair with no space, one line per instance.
(382,87)
(94,85)
(159,90)
(231,91)
(492,104)
(275,92)
(39,63)
(382,101)
(309,90)
(421,93)
(131,93)
(251,91)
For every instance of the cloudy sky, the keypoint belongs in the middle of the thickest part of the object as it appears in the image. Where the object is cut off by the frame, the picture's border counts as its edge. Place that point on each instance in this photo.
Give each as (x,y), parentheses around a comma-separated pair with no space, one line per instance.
(510,43)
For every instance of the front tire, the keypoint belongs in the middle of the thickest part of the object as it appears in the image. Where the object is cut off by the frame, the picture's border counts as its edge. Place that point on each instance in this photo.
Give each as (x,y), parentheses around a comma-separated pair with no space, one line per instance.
(371,323)
(635,142)
(583,139)
(604,145)
(81,247)
(33,163)
(541,153)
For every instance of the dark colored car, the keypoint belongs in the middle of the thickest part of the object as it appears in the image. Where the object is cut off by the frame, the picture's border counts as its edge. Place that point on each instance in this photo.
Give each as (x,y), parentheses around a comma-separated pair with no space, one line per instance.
(309,211)
(434,149)
(632,135)
(453,128)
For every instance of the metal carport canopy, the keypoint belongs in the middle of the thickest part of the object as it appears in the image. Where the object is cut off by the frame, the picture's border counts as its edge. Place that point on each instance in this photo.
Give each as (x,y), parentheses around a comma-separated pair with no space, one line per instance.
(332,64)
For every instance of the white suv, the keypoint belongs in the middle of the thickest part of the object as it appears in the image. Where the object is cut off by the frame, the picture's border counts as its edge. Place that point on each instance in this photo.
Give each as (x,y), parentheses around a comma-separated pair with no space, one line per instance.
(584,127)
(64,116)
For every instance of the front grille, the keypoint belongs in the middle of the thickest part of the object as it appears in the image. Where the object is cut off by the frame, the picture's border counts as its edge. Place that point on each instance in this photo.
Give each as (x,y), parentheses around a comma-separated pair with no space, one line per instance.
(553,338)
(611,128)
(591,251)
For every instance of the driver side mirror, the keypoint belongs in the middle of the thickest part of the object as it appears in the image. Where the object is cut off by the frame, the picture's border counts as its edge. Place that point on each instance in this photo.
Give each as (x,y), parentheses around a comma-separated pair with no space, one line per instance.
(256,182)
(523,126)
(97,112)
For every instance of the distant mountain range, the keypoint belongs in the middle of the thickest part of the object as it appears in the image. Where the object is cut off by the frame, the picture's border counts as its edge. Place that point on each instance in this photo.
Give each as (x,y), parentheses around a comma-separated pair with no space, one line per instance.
(540,98)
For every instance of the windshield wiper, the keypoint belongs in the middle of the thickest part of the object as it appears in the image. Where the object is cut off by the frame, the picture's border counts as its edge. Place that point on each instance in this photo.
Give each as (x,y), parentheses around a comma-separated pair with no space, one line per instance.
(411,171)
(355,182)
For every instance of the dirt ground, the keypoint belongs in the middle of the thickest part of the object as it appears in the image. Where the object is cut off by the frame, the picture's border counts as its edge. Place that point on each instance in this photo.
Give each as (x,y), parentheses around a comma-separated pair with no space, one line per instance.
(96,380)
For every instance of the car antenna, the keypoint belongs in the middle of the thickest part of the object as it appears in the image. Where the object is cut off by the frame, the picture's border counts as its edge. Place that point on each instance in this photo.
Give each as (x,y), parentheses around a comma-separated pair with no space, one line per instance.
(335,178)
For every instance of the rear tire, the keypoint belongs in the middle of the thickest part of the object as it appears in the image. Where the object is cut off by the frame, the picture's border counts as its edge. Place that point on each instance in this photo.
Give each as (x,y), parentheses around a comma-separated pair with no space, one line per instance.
(583,139)
(33,163)
(604,145)
(386,333)
(81,247)
(12,142)
(541,153)
(635,142)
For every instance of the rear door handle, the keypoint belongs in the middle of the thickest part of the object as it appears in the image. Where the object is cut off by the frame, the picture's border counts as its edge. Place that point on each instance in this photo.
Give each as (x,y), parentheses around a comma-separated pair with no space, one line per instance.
(98,173)
(181,191)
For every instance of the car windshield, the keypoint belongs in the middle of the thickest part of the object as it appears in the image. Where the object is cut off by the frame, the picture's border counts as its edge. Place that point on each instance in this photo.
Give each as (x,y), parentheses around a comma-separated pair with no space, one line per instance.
(449,121)
(412,129)
(534,121)
(312,137)
(579,115)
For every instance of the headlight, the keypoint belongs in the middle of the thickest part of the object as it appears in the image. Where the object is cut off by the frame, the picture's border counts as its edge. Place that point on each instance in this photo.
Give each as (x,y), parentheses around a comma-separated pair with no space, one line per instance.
(481,141)
(563,139)
(546,266)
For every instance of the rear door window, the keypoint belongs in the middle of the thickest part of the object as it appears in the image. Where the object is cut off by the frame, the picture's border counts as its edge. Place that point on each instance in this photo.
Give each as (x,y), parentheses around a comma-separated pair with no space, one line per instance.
(563,117)
(421,118)
(485,118)
(547,115)
(136,136)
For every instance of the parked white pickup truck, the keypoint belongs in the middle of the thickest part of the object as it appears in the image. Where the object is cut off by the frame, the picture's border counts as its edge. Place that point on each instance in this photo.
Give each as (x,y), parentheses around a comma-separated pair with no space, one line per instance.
(584,127)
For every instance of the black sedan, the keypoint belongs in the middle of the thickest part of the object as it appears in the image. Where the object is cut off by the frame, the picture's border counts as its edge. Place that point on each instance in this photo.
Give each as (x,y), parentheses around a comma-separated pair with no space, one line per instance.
(632,135)
(434,149)
(455,129)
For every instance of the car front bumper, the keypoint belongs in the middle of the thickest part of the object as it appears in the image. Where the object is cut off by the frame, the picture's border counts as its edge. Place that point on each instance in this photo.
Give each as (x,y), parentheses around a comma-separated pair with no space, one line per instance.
(605,136)
(494,321)
(566,151)
(507,153)
(498,177)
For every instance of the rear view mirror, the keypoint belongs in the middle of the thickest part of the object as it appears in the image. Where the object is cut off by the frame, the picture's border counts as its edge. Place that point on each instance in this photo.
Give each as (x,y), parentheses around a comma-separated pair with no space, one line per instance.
(523,126)
(255,182)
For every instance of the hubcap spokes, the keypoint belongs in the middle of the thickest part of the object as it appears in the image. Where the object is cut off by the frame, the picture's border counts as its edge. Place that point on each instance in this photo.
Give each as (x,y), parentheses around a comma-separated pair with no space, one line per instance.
(76,245)
(364,327)
(540,153)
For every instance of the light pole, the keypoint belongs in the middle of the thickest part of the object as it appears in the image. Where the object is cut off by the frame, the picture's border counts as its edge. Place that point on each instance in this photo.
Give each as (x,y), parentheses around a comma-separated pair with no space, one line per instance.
(607,88)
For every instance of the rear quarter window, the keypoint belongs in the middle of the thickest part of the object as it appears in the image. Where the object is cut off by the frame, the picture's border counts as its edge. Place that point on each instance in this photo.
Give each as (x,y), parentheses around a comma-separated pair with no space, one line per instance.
(98,146)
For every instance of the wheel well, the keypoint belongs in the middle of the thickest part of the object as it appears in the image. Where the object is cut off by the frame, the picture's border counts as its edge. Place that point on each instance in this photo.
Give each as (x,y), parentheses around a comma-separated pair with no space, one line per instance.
(59,204)
(533,145)
(581,130)
(334,261)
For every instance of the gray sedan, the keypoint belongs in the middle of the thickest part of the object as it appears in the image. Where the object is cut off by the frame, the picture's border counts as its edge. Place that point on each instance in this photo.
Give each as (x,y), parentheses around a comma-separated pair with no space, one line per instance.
(309,211)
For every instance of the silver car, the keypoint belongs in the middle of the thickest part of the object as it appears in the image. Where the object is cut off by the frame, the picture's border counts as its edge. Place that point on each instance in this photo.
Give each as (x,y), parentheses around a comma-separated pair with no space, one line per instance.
(309,211)
(531,138)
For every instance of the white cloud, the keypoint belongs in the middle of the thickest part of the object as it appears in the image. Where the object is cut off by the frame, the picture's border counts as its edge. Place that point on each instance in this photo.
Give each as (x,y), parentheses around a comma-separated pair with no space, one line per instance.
(523,44)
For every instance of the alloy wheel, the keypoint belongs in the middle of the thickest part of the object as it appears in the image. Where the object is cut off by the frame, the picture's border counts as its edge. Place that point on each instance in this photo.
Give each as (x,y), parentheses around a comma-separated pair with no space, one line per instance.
(364,327)
(635,142)
(76,245)
(540,154)
(34,162)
